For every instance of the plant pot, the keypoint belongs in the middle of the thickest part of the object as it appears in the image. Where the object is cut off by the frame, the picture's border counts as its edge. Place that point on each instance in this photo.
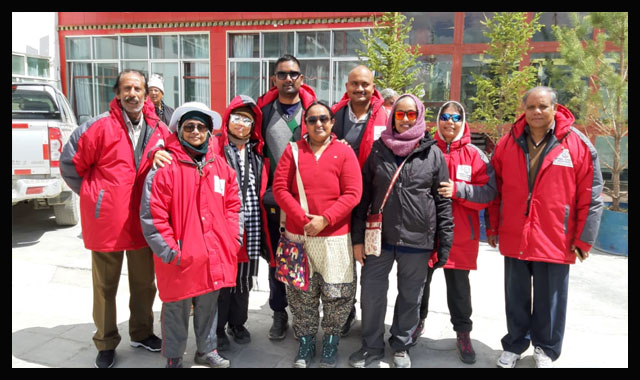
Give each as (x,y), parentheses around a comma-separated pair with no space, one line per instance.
(613,235)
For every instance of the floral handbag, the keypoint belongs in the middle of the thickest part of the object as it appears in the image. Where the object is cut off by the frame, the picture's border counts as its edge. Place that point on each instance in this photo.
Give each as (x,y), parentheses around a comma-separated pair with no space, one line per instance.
(373,227)
(292,263)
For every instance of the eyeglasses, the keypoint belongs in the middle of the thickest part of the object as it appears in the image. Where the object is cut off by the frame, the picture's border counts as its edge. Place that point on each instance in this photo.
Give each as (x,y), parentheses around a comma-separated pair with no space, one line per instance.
(446,116)
(324,119)
(411,115)
(282,75)
(239,119)
(191,126)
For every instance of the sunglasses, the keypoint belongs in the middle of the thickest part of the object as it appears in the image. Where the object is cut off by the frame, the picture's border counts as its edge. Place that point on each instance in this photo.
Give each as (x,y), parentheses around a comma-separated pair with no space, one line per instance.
(446,116)
(191,126)
(239,119)
(411,115)
(282,75)
(324,119)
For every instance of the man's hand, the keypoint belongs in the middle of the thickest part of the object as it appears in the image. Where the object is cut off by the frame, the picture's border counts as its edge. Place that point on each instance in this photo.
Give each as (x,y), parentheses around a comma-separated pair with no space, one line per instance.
(160,158)
(580,253)
(446,189)
(358,253)
(492,240)
(316,225)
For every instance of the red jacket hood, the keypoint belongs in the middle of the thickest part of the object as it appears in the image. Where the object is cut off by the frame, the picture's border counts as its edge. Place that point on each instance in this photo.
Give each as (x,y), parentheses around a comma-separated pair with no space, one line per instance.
(564,119)
(307,96)
(237,102)
(464,140)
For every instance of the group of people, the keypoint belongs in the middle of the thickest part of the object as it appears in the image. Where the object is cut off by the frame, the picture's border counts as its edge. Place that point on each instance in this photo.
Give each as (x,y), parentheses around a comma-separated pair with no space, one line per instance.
(196,199)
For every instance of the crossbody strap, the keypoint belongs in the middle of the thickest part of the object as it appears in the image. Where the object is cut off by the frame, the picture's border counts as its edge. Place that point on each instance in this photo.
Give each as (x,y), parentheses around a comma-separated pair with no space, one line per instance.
(393,181)
(303,196)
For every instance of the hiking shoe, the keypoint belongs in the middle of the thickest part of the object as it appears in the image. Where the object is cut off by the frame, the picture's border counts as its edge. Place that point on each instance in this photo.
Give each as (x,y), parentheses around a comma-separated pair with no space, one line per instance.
(401,359)
(329,351)
(364,357)
(306,351)
(240,334)
(465,349)
(507,359)
(223,342)
(106,359)
(174,363)
(351,319)
(152,343)
(542,360)
(278,330)
(212,359)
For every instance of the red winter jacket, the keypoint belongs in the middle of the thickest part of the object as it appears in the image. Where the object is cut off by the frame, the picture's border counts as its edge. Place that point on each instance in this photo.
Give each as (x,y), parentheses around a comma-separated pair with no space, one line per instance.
(190,220)
(565,204)
(98,163)
(474,187)
(378,118)
(333,186)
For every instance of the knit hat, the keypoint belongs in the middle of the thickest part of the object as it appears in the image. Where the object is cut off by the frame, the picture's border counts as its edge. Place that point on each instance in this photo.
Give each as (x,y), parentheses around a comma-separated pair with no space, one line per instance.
(156,81)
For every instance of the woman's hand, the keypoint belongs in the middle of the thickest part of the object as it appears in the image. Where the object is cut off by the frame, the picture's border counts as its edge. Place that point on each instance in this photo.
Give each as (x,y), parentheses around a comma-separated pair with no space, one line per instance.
(358,253)
(446,189)
(160,158)
(316,225)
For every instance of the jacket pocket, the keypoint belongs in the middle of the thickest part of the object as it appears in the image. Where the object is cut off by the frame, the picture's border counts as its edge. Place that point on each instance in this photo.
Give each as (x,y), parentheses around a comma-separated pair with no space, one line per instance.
(99,203)
(566,218)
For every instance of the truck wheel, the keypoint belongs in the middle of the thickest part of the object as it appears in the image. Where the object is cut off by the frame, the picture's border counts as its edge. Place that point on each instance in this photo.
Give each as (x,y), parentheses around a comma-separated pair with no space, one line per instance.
(68,213)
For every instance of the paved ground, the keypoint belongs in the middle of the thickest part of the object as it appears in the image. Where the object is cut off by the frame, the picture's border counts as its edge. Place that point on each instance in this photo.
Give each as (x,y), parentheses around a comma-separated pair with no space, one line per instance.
(52,324)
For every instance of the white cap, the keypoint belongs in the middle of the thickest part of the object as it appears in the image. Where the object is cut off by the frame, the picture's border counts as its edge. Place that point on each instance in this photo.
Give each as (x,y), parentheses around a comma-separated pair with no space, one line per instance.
(216,120)
(156,81)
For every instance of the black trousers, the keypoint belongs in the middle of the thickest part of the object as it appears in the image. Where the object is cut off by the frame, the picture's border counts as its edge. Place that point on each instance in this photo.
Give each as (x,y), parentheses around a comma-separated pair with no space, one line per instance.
(458,298)
(233,306)
(277,289)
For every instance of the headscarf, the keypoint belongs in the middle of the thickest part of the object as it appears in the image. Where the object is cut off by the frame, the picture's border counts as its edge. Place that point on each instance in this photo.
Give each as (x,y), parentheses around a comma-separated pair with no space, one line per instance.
(200,116)
(463,114)
(404,143)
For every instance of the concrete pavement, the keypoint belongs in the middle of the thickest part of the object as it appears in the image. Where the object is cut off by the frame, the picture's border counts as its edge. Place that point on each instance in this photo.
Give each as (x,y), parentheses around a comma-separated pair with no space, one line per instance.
(52,324)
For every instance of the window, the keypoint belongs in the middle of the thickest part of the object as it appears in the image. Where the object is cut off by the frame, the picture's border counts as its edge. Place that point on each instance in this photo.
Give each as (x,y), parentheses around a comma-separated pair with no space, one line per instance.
(17,65)
(547,19)
(430,27)
(325,56)
(474,29)
(478,64)
(435,72)
(94,63)
(551,70)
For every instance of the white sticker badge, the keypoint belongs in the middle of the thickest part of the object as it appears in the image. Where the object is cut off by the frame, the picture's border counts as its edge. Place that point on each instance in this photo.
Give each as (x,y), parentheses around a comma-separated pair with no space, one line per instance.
(218,185)
(463,172)
(564,159)
(377,131)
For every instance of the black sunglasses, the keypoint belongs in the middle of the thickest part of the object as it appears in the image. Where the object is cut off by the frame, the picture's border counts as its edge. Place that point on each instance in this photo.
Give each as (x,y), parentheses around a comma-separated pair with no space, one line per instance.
(282,75)
(311,120)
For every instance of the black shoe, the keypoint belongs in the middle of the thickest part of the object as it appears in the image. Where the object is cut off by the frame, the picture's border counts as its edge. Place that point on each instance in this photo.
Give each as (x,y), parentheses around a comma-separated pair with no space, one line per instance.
(329,351)
(174,363)
(223,343)
(465,349)
(351,319)
(240,334)
(363,357)
(306,351)
(106,359)
(278,330)
(152,343)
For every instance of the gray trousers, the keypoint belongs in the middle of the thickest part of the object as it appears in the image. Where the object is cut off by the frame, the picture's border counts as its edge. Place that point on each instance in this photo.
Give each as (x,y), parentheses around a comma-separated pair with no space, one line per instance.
(374,283)
(175,324)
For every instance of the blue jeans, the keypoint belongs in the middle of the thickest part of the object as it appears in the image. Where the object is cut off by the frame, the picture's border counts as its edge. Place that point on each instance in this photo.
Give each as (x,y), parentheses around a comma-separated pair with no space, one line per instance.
(544,327)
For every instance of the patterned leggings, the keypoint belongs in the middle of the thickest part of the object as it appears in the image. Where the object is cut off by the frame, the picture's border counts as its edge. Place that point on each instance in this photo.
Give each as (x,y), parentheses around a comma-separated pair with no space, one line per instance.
(337,300)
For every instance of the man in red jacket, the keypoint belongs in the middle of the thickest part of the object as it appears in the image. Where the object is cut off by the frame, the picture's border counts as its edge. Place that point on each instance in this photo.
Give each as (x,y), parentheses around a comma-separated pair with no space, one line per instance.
(360,118)
(547,211)
(282,122)
(105,163)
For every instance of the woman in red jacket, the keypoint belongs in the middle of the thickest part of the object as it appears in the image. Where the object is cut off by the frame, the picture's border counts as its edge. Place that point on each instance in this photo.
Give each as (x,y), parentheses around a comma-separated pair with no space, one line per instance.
(471,187)
(332,182)
(190,212)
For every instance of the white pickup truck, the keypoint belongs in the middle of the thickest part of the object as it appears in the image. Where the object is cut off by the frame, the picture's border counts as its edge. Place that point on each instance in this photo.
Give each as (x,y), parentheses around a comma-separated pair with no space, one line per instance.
(41,124)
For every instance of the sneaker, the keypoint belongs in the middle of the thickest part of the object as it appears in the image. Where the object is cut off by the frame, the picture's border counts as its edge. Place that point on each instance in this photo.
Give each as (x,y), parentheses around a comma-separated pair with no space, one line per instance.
(212,359)
(174,363)
(351,319)
(306,351)
(329,351)
(465,349)
(507,359)
(152,343)
(240,334)
(278,330)
(106,359)
(542,360)
(401,359)
(223,342)
(364,357)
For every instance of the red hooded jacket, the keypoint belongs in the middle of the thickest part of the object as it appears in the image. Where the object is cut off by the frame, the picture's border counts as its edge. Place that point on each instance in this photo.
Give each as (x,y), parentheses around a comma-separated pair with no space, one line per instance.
(98,163)
(378,118)
(564,206)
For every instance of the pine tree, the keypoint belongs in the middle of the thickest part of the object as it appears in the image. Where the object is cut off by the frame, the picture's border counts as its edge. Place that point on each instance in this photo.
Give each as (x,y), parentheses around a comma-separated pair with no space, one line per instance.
(599,81)
(499,95)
